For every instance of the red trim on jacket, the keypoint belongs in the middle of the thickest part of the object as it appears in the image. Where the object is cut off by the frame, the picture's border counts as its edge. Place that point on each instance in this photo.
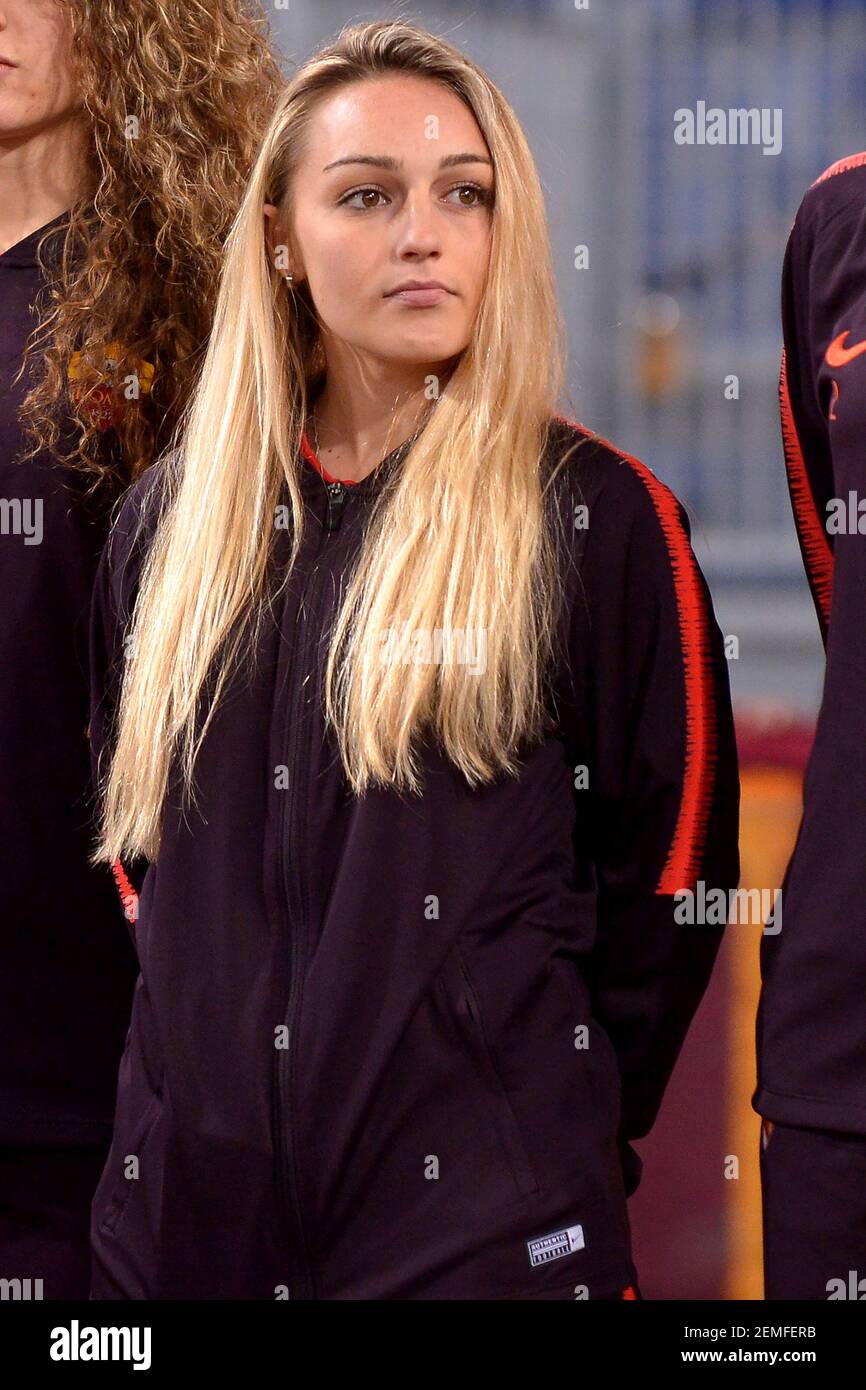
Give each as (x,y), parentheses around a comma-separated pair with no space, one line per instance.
(816,546)
(128,895)
(850,161)
(685,853)
(309,453)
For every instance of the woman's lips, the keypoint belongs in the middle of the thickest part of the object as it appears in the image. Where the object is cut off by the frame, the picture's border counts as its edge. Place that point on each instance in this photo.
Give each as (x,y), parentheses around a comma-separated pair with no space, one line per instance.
(420,298)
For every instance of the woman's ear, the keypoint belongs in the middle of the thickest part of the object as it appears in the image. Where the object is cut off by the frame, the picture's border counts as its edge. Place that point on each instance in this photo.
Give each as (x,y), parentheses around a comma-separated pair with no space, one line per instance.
(277,241)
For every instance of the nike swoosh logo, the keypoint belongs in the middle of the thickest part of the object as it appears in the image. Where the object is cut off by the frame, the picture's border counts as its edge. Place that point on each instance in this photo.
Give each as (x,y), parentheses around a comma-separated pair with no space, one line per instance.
(838,354)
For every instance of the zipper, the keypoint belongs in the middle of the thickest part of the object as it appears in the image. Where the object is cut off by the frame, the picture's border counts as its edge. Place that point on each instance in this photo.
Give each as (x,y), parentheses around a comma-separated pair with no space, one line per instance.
(294,900)
(336,497)
(475,1034)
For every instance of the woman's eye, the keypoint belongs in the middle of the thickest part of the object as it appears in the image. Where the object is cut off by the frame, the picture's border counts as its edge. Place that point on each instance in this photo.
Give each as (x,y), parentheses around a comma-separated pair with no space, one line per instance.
(359,193)
(480,195)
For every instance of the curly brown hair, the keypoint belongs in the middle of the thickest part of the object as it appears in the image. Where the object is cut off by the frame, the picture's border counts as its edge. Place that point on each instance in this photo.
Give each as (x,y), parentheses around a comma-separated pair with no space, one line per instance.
(178,94)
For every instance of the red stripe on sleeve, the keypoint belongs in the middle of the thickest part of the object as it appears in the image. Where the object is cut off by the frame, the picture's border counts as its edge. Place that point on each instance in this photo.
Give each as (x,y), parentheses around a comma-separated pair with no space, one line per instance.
(128,895)
(816,546)
(685,853)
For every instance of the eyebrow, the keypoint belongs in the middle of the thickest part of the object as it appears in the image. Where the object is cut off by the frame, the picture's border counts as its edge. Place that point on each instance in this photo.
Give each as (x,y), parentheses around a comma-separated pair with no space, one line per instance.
(386,161)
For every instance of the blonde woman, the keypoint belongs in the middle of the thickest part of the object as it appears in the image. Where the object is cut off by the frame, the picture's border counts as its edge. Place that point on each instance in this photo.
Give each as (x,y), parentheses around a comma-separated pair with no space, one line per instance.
(411,717)
(127,132)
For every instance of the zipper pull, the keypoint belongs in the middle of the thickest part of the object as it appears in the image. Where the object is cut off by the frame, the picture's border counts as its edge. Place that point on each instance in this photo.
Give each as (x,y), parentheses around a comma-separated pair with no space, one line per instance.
(336,494)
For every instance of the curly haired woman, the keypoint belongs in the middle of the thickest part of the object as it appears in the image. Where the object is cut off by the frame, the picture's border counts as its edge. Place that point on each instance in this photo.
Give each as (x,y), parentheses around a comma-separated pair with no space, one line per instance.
(126,135)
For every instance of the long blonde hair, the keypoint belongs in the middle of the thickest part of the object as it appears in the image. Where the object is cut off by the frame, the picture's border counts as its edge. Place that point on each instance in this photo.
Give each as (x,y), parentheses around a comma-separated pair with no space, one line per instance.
(458,542)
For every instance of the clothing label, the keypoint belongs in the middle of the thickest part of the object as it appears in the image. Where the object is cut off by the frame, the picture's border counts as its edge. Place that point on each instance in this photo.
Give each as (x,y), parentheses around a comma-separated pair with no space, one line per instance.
(546,1248)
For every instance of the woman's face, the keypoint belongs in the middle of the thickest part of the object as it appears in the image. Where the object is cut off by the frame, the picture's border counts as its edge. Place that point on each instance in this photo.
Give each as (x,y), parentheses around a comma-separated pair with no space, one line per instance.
(396,184)
(38,91)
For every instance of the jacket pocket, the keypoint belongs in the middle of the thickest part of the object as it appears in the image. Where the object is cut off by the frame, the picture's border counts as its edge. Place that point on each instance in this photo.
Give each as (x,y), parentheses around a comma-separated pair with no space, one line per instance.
(465,1013)
(123,1187)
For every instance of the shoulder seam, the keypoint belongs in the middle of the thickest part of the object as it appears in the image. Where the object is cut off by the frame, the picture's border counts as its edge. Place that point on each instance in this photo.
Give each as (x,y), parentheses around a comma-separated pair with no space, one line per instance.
(811,208)
(840,166)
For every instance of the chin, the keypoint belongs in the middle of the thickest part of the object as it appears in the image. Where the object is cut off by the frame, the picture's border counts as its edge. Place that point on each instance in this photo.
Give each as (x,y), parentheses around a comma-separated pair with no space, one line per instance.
(424,347)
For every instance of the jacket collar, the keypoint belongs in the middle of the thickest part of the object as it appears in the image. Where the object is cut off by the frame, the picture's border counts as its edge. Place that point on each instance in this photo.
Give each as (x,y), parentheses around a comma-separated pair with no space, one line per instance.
(314,474)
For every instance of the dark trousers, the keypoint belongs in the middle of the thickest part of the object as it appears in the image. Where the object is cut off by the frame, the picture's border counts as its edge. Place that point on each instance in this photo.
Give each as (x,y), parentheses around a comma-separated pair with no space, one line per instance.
(813,1193)
(45,1196)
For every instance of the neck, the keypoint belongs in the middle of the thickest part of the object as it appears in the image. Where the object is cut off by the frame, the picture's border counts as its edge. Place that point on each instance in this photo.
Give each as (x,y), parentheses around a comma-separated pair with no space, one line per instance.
(358,424)
(41,175)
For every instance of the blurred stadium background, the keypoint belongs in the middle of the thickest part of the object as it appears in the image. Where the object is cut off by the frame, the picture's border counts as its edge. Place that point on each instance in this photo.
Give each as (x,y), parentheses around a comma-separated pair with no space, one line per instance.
(681,291)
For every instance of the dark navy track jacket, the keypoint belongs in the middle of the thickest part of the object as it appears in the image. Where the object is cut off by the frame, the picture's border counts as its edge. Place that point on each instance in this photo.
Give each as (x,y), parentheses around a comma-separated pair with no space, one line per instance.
(811,1032)
(67,970)
(393,1047)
